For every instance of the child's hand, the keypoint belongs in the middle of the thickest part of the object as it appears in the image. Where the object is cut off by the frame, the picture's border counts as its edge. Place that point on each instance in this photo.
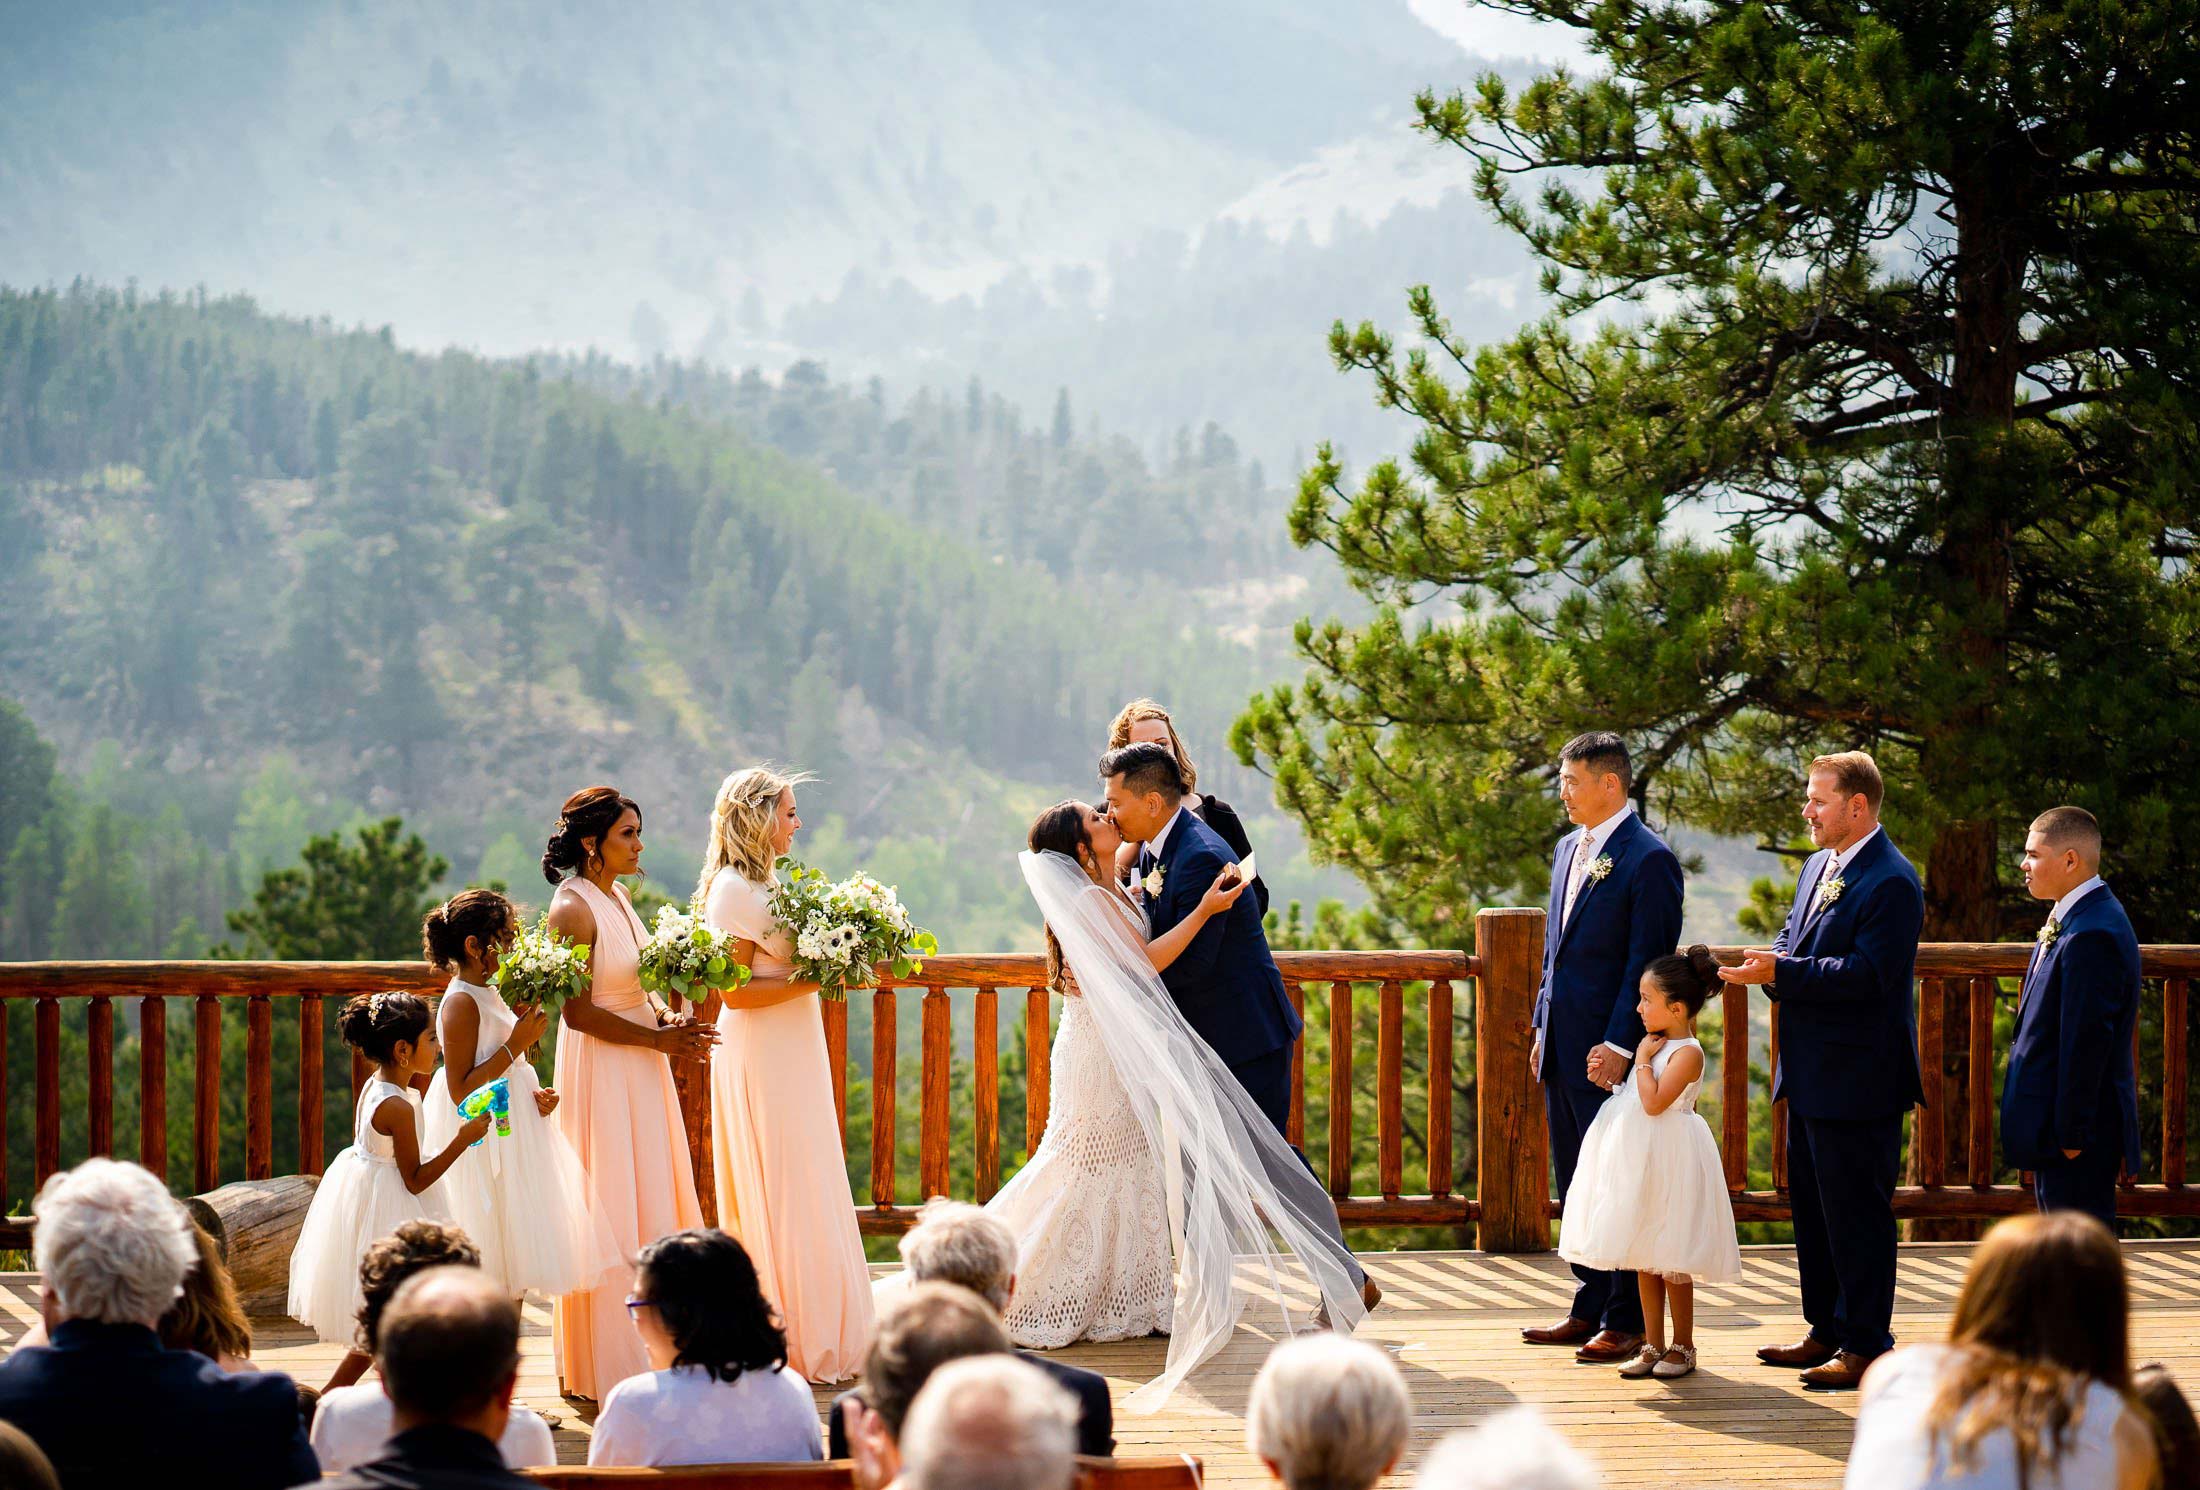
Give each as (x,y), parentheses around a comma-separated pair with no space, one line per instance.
(546,1101)
(1650,1046)
(474,1128)
(532,1022)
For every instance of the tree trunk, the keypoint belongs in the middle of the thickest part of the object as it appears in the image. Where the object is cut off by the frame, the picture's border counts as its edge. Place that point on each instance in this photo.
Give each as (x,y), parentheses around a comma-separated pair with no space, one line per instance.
(255,1224)
(1957,764)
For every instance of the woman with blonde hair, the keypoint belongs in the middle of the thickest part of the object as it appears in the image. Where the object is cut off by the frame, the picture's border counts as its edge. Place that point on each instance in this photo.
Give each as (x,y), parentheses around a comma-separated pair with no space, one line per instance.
(2033,1390)
(1144,722)
(782,1179)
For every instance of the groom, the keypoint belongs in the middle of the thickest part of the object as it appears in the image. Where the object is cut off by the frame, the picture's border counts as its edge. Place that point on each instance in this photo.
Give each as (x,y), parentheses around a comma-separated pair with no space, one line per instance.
(1226,981)
(1615,905)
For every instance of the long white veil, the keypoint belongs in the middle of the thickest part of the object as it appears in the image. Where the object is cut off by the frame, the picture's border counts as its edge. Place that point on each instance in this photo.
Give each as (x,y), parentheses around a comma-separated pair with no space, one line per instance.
(1235,1189)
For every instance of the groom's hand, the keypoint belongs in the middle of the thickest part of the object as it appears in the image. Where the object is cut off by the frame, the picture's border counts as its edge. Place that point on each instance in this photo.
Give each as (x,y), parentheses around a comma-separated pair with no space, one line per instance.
(1759,965)
(1535,1057)
(1607,1067)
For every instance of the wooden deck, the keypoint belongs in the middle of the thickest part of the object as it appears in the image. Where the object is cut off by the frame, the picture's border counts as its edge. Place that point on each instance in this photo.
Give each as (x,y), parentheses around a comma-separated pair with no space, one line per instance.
(1452,1321)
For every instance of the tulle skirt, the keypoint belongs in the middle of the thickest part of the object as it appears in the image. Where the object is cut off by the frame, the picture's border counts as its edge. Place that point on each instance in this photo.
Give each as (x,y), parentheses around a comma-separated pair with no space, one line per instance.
(523,1196)
(360,1200)
(1649,1196)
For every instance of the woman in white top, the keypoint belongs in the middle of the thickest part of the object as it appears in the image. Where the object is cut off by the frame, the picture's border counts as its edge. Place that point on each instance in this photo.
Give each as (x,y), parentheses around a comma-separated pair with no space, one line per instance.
(720,1391)
(352,1423)
(2032,1390)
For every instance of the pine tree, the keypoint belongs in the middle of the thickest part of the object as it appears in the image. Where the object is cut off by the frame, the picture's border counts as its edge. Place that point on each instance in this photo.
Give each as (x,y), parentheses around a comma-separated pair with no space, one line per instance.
(1861,415)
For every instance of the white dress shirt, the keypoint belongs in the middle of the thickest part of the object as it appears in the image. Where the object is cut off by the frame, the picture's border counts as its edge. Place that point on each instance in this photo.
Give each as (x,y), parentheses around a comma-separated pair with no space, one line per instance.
(2068,903)
(1586,850)
(352,1424)
(1155,844)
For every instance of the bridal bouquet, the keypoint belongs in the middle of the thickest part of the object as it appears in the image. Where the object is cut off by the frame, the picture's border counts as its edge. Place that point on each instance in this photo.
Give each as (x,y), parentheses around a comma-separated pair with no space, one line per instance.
(684,956)
(842,930)
(542,967)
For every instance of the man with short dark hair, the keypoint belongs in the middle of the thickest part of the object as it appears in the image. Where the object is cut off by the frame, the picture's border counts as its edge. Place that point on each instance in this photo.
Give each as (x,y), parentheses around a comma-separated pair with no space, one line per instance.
(448,1350)
(1615,904)
(2070,1099)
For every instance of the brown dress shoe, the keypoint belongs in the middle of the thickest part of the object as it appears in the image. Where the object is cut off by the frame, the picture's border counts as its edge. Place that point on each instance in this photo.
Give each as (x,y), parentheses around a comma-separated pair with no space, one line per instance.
(1844,1373)
(1808,1352)
(1568,1331)
(1608,1347)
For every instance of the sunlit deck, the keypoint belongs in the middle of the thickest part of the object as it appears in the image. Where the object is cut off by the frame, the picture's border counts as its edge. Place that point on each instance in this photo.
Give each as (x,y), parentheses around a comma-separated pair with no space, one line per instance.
(1452,1319)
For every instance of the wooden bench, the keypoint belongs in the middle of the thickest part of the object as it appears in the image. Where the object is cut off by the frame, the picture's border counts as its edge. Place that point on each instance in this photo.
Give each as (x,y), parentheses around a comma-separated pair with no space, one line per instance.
(1180,1473)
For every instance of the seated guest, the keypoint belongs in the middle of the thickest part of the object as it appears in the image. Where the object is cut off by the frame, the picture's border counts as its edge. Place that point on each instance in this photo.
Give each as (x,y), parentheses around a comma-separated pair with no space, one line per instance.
(1515,1450)
(719,1391)
(1328,1413)
(921,1330)
(2176,1431)
(2033,1387)
(957,1242)
(352,1423)
(23,1465)
(205,1317)
(990,1423)
(112,1250)
(448,1350)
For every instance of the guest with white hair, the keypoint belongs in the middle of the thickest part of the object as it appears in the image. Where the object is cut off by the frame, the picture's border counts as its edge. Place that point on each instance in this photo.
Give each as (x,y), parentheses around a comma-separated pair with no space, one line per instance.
(112,1249)
(957,1242)
(1515,1450)
(1328,1413)
(989,1422)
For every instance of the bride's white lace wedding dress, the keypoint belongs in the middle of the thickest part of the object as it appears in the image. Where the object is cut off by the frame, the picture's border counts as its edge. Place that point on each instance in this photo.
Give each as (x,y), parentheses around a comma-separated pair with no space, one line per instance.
(1088,1209)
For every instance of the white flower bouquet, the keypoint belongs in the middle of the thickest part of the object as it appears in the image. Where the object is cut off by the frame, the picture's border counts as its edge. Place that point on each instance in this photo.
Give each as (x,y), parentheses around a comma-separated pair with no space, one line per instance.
(684,956)
(842,930)
(542,967)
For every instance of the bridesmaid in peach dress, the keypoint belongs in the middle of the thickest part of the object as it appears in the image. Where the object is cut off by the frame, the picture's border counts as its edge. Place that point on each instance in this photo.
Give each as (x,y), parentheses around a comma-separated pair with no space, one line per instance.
(619,1111)
(782,1179)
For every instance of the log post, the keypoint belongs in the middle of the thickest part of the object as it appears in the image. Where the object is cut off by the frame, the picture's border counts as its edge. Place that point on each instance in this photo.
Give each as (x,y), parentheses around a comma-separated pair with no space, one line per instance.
(255,1225)
(1512,1141)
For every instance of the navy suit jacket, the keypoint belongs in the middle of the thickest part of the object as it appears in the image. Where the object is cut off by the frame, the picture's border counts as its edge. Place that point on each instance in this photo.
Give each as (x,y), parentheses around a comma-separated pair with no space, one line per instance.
(1592,966)
(1226,981)
(115,1410)
(2070,1083)
(1848,1015)
(1095,1408)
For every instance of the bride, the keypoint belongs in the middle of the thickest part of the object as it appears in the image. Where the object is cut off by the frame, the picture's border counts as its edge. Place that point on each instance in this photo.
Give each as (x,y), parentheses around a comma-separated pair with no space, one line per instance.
(1151,1145)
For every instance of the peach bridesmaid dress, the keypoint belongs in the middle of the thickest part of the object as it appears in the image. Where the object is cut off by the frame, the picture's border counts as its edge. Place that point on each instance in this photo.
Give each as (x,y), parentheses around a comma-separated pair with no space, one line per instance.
(782,1179)
(618,1110)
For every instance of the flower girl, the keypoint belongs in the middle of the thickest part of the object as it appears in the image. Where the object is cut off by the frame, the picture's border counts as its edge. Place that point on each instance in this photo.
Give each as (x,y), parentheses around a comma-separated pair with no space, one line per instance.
(521,1193)
(381,1180)
(1649,1195)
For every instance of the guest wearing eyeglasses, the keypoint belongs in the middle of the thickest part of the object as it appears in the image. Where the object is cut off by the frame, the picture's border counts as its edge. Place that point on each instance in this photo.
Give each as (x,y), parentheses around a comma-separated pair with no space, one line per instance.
(719,1390)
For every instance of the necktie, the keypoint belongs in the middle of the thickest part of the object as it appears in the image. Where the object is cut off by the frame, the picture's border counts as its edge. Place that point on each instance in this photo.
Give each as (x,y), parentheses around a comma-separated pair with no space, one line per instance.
(1576,879)
(1146,861)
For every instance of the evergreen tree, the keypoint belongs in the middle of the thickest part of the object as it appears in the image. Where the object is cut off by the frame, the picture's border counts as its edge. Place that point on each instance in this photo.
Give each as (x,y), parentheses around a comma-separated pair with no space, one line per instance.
(361,900)
(100,910)
(1862,415)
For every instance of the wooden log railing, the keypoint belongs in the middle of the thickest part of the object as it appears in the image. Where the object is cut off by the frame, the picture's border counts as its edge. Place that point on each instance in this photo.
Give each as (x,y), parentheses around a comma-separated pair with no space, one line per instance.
(1510,1197)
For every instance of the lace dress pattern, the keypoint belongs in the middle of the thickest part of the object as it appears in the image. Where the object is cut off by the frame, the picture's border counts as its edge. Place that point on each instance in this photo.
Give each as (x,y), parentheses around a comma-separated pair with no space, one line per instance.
(1089,1211)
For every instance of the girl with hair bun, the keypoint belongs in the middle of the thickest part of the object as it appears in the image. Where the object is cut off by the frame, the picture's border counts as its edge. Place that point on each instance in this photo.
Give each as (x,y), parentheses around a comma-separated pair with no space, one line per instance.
(382,1180)
(618,1109)
(1649,1194)
(522,1195)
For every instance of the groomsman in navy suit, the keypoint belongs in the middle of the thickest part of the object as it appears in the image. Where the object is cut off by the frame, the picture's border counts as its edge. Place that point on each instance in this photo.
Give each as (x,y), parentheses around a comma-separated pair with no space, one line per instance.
(1615,905)
(2070,1100)
(1840,972)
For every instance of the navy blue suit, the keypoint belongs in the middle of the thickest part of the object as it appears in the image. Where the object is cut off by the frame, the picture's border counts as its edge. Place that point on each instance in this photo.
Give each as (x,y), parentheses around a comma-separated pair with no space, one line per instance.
(1592,980)
(2070,1083)
(1848,1071)
(115,1410)
(1226,981)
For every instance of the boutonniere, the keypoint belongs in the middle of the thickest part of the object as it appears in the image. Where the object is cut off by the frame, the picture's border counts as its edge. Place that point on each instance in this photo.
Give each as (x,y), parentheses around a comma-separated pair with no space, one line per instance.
(1152,881)
(1601,868)
(1829,890)
(2046,935)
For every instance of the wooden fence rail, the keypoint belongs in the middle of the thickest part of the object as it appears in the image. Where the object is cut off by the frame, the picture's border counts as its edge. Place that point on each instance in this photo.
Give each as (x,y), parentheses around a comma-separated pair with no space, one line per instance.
(1510,1199)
